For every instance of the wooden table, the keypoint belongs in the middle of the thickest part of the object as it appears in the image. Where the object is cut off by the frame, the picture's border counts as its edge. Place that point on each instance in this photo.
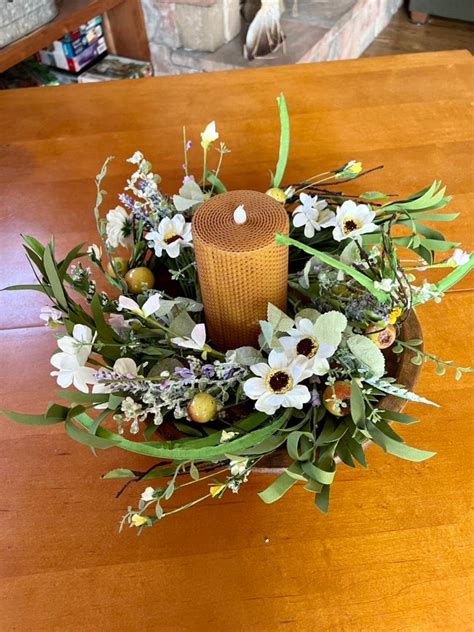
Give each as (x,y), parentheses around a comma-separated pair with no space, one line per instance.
(394,552)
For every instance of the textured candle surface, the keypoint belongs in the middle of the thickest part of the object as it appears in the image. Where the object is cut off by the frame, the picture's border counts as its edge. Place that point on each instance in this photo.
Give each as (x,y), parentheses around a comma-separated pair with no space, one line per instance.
(241,269)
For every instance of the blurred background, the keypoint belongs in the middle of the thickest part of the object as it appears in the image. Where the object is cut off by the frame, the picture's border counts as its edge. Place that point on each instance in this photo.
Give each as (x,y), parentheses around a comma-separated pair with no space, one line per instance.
(51,42)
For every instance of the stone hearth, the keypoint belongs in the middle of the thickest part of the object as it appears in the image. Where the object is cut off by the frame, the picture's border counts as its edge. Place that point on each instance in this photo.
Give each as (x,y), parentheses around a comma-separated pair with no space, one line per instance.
(320,30)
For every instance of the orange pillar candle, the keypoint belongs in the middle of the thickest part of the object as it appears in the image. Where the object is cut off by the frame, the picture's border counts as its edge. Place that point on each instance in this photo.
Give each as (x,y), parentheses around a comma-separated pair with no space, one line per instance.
(240,267)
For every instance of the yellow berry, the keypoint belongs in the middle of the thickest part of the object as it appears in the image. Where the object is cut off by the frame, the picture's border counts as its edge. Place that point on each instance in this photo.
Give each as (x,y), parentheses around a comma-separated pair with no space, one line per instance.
(120,264)
(277,194)
(202,408)
(139,280)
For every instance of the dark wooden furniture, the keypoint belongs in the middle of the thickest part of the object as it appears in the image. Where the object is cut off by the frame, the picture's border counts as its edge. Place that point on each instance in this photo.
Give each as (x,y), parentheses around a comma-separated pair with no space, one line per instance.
(123,22)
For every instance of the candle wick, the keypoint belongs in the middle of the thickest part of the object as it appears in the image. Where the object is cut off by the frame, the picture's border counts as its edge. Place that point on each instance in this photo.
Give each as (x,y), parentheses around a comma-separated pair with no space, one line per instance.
(240,216)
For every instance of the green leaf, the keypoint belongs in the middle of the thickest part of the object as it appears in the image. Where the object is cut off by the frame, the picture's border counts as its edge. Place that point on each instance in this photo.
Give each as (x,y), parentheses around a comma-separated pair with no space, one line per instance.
(75,253)
(284,141)
(119,473)
(35,245)
(318,474)
(335,263)
(374,195)
(368,354)
(357,404)
(357,450)
(456,275)
(182,325)
(438,217)
(322,499)
(32,287)
(329,327)
(53,277)
(278,319)
(184,449)
(55,414)
(83,398)
(396,448)
(391,415)
(215,182)
(278,488)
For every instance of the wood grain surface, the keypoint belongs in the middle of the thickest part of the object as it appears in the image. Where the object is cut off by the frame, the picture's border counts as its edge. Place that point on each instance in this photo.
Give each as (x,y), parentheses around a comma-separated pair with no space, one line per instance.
(395,553)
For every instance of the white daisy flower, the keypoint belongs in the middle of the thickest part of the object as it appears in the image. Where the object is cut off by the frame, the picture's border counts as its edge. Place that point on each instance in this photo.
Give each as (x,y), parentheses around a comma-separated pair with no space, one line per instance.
(79,345)
(313,215)
(190,194)
(149,307)
(118,227)
(209,135)
(51,316)
(458,258)
(277,383)
(172,235)
(353,219)
(311,340)
(71,372)
(196,341)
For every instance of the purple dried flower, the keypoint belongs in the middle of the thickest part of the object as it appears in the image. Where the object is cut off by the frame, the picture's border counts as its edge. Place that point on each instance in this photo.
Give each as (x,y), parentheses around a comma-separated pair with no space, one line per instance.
(208,370)
(189,144)
(315,399)
(127,200)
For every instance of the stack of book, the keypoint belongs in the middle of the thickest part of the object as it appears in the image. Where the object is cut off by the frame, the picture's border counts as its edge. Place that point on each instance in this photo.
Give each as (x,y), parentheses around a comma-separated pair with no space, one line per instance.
(77,50)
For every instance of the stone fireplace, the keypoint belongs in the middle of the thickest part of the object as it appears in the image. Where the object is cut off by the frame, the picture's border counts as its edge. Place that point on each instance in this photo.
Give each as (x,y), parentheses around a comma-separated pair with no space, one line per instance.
(189,36)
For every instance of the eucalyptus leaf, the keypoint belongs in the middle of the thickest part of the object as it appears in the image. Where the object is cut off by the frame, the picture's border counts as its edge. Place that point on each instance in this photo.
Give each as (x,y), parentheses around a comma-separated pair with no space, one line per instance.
(368,354)
(329,327)
(245,356)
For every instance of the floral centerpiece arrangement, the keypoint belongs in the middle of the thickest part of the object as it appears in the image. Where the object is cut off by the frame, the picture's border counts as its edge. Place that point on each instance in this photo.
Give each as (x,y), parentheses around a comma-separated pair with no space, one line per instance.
(150,364)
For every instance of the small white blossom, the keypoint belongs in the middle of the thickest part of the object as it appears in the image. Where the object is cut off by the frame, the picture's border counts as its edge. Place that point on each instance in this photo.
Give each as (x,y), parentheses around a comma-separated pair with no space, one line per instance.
(150,306)
(136,158)
(385,284)
(458,258)
(238,465)
(197,340)
(209,135)
(352,220)
(51,316)
(79,344)
(118,227)
(313,215)
(227,436)
(147,495)
(94,252)
(171,235)
(71,372)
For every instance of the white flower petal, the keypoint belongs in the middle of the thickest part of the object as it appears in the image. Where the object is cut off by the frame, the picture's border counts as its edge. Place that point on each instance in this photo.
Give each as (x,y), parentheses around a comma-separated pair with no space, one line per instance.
(198,334)
(129,304)
(260,369)
(254,387)
(151,305)
(125,366)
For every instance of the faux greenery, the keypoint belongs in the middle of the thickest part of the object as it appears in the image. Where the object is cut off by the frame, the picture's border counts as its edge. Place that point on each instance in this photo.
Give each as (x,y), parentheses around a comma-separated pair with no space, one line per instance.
(146,379)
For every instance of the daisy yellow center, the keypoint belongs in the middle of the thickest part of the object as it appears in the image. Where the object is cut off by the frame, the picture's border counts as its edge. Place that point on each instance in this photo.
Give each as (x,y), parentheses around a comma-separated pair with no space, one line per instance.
(279,381)
(307,347)
(350,225)
(171,237)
